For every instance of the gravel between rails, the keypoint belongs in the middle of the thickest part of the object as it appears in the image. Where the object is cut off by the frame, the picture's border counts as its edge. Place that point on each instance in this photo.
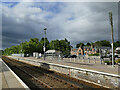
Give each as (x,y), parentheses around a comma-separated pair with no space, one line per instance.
(52,82)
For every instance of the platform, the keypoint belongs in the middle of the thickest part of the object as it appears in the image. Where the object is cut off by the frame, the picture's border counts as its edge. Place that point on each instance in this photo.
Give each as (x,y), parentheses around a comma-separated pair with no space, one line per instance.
(90,66)
(8,79)
(95,73)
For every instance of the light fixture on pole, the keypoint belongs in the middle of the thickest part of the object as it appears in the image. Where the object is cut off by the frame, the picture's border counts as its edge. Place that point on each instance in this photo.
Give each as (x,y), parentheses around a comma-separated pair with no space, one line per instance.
(44,41)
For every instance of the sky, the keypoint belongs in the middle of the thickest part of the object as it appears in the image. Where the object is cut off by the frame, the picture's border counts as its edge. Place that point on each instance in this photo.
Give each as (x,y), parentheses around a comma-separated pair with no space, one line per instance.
(77,21)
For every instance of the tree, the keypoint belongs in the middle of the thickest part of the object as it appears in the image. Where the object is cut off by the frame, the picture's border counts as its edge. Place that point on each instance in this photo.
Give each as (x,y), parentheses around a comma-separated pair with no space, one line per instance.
(79,45)
(61,45)
(102,43)
(116,44)
(32,46)
(88,44)
(65,47)
(54,44)
(7,51)
(51,45)
(25,47)
(35,46)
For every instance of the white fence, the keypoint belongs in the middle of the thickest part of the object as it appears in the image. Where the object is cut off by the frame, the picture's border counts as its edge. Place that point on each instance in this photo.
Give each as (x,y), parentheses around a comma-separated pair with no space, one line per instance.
(19,55)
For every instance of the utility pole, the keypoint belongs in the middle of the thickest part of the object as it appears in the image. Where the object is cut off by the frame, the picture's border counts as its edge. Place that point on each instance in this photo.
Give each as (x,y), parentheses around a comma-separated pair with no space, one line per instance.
(44,41)
(21,48)
(111,23)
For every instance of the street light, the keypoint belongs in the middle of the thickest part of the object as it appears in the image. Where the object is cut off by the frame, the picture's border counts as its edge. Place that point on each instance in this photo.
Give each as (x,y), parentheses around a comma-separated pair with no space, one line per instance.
(44,41)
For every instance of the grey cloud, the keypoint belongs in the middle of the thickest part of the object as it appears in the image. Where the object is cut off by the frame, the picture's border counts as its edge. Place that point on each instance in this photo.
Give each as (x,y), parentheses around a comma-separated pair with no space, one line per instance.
(90,22)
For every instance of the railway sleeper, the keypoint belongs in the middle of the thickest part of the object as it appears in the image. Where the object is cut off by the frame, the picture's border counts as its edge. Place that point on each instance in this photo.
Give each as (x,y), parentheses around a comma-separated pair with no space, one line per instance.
(36,79)
(59,80)
(46,75)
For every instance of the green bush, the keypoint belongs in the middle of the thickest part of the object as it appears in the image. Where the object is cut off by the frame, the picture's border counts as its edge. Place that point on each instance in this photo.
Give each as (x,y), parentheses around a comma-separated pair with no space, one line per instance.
(108,52)
(97,54)
(117,61)
(108,62)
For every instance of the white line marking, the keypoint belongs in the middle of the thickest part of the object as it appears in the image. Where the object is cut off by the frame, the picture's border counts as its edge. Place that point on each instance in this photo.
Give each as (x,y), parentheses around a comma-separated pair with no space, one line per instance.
(23,84)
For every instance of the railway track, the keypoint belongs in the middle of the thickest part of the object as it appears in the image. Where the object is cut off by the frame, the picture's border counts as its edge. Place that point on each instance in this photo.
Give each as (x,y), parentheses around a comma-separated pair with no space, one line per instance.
(39,78)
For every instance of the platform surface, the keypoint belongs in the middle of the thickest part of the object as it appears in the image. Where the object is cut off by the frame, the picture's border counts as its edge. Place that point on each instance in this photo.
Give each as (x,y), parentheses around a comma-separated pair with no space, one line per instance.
(8,79)
(90,66)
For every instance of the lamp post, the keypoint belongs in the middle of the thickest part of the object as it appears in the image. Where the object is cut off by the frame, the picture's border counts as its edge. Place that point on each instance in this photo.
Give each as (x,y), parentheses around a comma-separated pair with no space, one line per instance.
(21,51)
(44,41)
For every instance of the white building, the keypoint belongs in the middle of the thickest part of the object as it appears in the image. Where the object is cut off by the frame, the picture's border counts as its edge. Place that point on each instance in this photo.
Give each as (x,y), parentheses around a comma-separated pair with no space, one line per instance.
(53,53)
(37,55)
(117,51)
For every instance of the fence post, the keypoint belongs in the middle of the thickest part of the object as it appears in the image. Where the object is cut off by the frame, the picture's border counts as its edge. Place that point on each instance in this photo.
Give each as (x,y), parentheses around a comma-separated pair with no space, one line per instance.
(70,59)
(74,59)
(78,59)
(52,56)
(100,60)
(95,60)
(83,59)
(88,59)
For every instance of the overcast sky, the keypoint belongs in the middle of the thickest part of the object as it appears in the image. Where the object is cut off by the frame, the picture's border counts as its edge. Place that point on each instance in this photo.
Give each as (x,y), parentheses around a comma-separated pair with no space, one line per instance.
(76,21)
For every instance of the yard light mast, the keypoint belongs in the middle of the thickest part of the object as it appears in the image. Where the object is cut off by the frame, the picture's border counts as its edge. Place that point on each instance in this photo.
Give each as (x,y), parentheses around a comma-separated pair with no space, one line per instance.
(111,23)
(44,41)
